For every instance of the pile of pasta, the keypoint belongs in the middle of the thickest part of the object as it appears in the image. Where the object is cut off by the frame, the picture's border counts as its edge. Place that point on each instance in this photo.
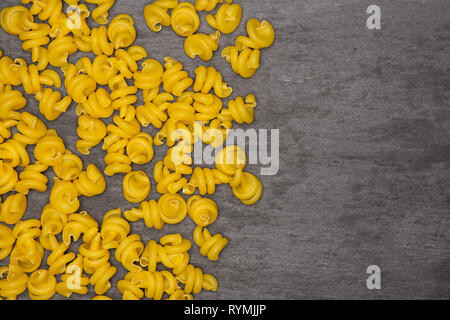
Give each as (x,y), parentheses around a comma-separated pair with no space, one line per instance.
(184,111)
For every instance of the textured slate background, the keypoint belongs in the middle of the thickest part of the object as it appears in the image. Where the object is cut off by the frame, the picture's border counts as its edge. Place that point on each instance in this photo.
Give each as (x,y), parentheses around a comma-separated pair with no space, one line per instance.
(364,126)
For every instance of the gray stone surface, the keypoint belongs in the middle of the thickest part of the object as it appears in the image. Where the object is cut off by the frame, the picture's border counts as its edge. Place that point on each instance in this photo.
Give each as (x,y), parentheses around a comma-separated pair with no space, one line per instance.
(364,153)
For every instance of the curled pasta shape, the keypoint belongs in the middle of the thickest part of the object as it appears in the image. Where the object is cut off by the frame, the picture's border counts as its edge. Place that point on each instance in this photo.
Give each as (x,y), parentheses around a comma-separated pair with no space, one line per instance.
(195,280)
(60,49)
(149,211)
(173,252)
(122,129)
(207,106)
(30,128)
(16,20)
(64,197)
(172,207)
(91,131)
(41,285)
(230,160)
(136,186)
(175,80)
(13,209)
(28,253)
(114,229)
(103,69)
(215,133)
(34,39)
(126,61)
(32,177)
(8,177)
(79,223)
(244,63)
(123,97)
(52,104)
(121,31)
(208,5)
(209,78)
(96,42)
(227,18)
(155,283)
(100,14)
(69,168)
(8,74)
(100,278)
(205,180)
(249,189)
(53,223)
(203,211)
(10,102)
(210,246)
(94,255)
(239,110)
(152,114)
(50,149)
(73,280)
(78,86)
(260,35)
(149,257)
(7,240)
(202,45)
(129,288)
(90,182)
(117,162)
(184,19)
(58,259)
(128,252)
(5,128)
(150,77)
(168,182)
(97,105)
(13,282)
(14,153)
(155,16)
(29,76)
(140,148)
(47,10)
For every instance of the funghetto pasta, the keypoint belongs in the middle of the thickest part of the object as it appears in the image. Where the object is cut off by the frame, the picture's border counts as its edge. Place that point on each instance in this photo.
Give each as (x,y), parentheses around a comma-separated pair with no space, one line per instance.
(66,250)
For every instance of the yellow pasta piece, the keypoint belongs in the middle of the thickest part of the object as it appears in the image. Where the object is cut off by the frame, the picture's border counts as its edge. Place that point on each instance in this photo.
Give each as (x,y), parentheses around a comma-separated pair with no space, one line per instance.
(91,131)
(249,189)
(239,110)
(13,209)
(41,285)
(184,19)
(79,223)
(244,63)
(227,18)
(7,240)
(114,229)
(58,260)
(53,223)
(121,31)
(195,280)
(140,148)
(69,168)
(52,104)
(136,186)
(90,182)
(100,14)
(260,35)
(203,211)
(98,104)
(175,80)
(32,177)
(210,246)
(27,254)
(202,45)
(13,282)
(94,255)
(208,5)
(209,78)
(64,197)
(128,253)
(100,278)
